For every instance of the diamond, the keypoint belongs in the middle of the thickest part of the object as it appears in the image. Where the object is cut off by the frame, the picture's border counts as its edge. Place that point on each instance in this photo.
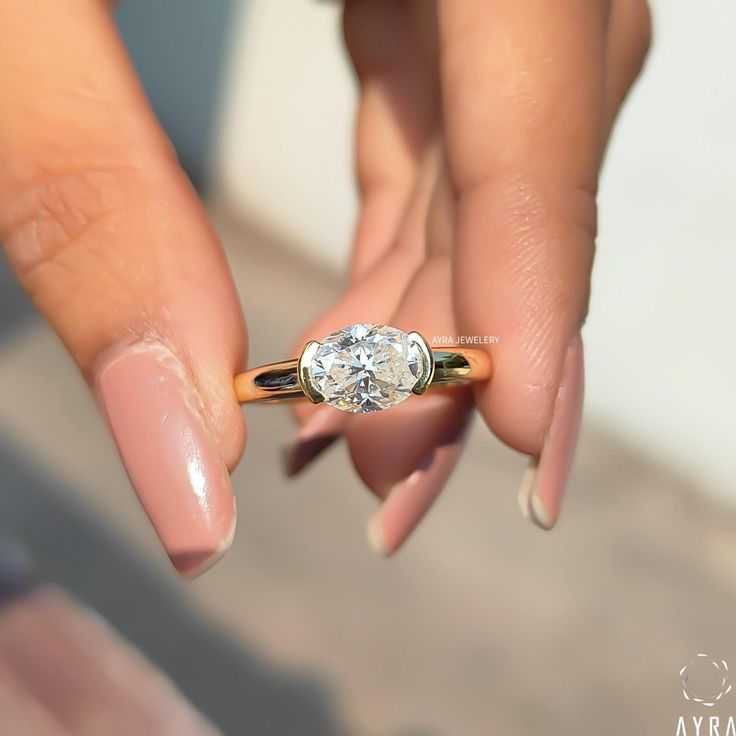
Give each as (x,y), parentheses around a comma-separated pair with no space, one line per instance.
(367,367)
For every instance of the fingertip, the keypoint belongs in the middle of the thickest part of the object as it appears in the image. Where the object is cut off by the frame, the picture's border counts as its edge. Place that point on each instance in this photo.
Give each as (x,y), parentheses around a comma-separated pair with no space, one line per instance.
(409,500)
(230,432)
(517,414)
(317,434)
(406,437)
(192,563)
(374,534)
(531,506)
(545,481)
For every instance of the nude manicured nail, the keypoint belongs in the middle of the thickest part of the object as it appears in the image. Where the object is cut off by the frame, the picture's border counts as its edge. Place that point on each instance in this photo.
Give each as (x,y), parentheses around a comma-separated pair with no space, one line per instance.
(543,485)
(409,500)
(173,463)
(313,438)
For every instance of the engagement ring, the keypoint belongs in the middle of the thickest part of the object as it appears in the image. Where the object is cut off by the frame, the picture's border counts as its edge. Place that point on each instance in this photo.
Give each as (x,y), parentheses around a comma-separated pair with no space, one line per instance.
(363,368)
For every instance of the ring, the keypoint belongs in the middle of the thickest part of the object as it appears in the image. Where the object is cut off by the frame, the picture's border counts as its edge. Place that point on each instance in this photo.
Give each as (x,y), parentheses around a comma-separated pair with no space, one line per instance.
(363,368)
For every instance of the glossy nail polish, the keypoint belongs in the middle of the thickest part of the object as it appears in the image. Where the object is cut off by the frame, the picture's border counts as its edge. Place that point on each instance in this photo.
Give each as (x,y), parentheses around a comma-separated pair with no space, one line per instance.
(155,416)
(408,501)
(543,484)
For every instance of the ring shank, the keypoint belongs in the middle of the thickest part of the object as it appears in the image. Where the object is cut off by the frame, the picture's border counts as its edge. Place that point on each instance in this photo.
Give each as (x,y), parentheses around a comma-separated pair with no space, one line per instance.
(280,381)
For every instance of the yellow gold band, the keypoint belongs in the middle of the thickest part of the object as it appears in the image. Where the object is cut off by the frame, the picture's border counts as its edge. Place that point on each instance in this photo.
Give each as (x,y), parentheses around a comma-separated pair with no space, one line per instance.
(277,382)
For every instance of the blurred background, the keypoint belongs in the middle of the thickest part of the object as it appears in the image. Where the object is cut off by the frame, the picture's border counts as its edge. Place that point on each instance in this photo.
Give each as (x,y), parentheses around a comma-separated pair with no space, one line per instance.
(483,624)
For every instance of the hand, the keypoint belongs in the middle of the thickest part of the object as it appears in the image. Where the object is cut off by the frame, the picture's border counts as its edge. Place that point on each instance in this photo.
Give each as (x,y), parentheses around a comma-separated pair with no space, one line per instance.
(481,130)
(107,236)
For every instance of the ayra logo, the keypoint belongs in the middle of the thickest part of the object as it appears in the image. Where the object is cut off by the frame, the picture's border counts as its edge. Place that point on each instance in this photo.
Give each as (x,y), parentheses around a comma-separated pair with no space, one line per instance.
(705,682)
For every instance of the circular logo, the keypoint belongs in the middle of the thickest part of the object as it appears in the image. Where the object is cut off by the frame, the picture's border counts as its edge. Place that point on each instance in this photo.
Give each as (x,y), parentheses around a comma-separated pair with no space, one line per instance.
(705,680)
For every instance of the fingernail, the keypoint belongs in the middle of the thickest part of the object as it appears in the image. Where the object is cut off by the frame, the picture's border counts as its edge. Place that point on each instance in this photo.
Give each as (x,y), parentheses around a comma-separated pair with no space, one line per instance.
(374,532)
(543,484)
(408,501)
(172,461)
(313,438)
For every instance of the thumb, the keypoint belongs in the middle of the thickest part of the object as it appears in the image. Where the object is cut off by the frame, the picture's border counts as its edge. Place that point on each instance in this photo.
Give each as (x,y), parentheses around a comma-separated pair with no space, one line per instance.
(108,238)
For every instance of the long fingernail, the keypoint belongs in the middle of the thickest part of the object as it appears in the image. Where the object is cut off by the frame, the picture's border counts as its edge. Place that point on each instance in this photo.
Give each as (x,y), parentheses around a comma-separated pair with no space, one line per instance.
(313,438)
(172,461)
(409,500)
(543,485)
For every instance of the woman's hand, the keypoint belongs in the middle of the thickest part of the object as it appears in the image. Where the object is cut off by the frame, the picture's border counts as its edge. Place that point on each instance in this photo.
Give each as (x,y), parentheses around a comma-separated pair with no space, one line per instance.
(481,130)
(105,233)
(480,135)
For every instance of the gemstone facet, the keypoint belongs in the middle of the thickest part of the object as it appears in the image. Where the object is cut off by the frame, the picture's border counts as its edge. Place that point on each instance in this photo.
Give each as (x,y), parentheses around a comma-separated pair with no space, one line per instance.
(366,367)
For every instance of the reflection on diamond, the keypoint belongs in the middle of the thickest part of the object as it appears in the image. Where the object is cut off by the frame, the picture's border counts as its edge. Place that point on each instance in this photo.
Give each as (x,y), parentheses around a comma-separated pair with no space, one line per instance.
(366,367)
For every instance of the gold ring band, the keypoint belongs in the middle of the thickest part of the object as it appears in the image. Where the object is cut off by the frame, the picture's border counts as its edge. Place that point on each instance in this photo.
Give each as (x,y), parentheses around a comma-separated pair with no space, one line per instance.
(404,356)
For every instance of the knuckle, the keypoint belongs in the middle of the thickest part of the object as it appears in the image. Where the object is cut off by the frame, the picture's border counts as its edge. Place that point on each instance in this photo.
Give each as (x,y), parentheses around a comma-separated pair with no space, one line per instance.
(61,217)
(527,203)
(543,238)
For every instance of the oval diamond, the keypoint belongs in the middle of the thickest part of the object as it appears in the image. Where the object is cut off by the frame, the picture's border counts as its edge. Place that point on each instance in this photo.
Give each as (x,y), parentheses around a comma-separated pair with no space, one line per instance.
(366,367)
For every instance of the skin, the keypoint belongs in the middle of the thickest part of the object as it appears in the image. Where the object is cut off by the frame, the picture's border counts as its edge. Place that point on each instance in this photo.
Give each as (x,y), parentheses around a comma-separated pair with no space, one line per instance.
(484,125)
(480,135)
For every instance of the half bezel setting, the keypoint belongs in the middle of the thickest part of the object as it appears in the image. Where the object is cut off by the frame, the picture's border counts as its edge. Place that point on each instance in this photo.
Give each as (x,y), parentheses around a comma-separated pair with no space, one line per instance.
(365,367)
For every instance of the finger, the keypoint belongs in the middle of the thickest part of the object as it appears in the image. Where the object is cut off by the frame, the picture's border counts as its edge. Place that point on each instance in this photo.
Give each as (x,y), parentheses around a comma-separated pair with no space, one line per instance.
(525,120)
(373,299)
(407,455)
(543,484)
(107,236)
(629,36)
(402,437)
(431,434)
(390,45)
(408,502)
(419,442)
